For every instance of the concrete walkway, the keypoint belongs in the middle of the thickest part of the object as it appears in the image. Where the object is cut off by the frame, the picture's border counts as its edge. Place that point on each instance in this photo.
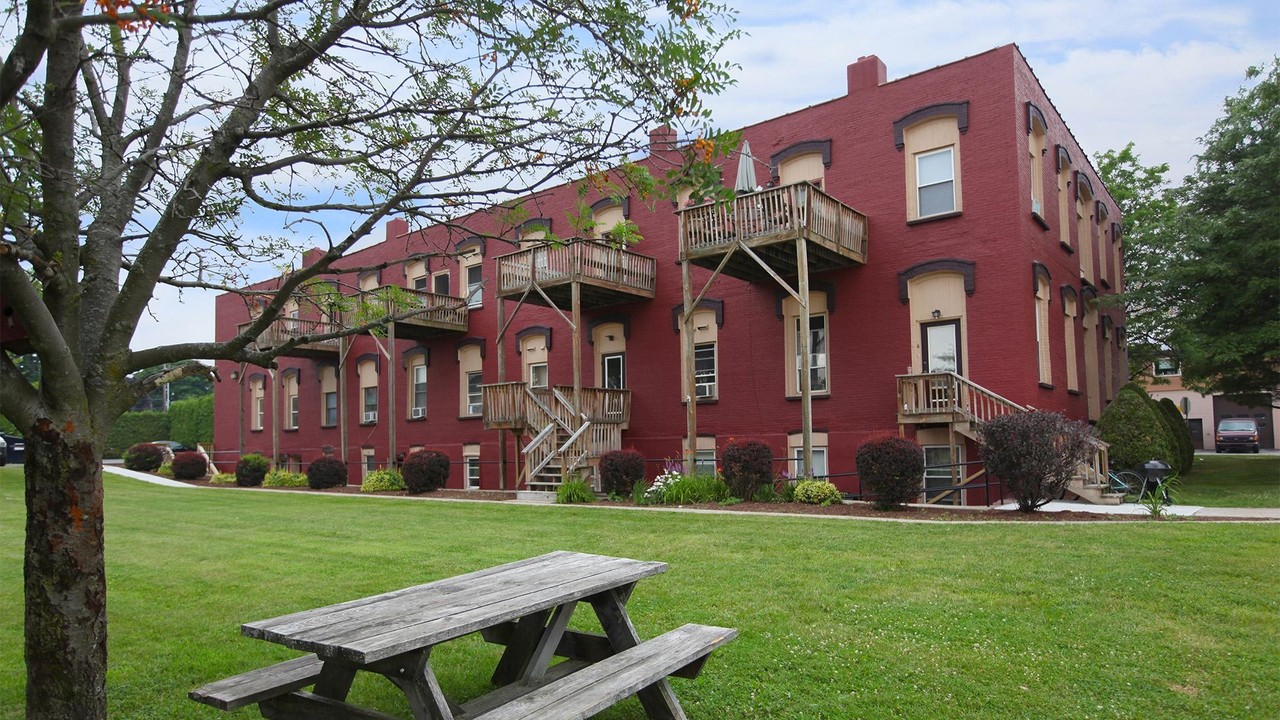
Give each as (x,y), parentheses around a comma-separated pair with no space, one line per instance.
(1055,506)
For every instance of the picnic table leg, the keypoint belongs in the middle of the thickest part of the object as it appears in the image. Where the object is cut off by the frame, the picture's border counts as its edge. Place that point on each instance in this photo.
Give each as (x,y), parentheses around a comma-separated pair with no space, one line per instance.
(540,659)
(335,679)
(659,700)
(524,639)
(419,684)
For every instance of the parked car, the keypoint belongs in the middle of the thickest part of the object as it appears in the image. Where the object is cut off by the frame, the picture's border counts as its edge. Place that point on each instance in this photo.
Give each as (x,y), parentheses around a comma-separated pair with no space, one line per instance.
(1236,434)
(4,452)
(173,445)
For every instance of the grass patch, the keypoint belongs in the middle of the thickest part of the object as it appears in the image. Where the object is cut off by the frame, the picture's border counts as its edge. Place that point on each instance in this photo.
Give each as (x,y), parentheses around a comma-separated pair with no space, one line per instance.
(837,619)
(1233,481)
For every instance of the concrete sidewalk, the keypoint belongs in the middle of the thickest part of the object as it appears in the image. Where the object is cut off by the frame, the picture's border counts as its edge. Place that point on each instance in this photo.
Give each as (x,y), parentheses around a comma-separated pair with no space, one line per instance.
(1055,506)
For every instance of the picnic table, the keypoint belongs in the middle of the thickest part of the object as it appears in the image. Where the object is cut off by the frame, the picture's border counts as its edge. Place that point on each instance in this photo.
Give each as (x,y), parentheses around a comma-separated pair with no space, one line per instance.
(524,606)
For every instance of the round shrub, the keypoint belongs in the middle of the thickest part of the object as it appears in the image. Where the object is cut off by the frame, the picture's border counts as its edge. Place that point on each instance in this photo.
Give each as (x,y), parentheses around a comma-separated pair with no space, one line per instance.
(1134,430)
(425,471)
(166,470)
(382,481)
(747,465)
(223,479)
(891,469)
(620,470)
(1035,454)
(144,457)
(817,492)
(1181,435)
(189,466)
(284,479)
(326,472)
(251,470)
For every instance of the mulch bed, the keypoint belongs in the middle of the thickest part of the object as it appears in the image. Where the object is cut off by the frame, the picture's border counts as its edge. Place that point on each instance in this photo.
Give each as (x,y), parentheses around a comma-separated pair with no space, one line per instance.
(849,510)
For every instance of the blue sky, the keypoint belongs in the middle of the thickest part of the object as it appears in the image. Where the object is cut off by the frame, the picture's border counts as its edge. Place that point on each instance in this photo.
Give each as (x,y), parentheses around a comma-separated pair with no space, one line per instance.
(1153,72)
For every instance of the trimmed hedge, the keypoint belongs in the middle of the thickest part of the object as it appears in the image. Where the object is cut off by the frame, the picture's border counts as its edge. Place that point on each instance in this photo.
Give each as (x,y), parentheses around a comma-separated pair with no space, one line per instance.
(382,481)
(191,421)
(425,471)
(1181,435)
(189,466)
(326,472)
(144,457)
(747,466)
(620,470)
(817,492)
(284,479)
(1134,429)
(891,470)
(133,428)
(251,470)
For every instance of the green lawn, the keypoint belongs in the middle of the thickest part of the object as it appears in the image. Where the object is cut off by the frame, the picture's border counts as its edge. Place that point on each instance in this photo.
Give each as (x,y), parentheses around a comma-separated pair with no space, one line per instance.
(838,619)
(1233,481)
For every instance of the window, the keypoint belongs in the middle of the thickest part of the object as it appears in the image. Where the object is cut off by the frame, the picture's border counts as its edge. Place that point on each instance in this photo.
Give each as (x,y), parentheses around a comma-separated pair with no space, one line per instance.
(416,273)
(606,218)
(418,389)
(1084,226)
(1036,149)
(1069,336)
(1042,330)
(940,476)
(369,281)
(440,283)
(368,372)
(291,400)
(471,466)
(1166,367)
(538,375)
(615,371)
(1092,388)
(935,182)
(367,463)
(932,150)
(819,462)
(817,364)
(257,403)
(329,396)
(704,370)
(798,168)
(704,462)
(475,286)
(330,409)
(1064,199)
(474,394)
(940,347)
(470,367)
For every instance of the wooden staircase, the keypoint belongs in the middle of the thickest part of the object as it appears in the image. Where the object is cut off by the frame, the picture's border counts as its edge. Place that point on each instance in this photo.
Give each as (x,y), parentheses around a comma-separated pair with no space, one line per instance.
(948,398)
(557,437)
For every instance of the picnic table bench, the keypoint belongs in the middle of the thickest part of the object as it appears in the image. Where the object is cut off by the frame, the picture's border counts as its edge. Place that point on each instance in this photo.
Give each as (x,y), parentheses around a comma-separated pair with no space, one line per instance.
(524,606)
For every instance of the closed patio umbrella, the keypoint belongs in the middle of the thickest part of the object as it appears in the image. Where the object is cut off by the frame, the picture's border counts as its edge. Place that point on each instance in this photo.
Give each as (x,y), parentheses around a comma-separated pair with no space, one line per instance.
(746,181)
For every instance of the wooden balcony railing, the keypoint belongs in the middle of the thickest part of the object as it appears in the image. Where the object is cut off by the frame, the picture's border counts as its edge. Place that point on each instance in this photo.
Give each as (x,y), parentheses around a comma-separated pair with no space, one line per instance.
(429,309)
(927,397)
(588,261)
(782,213)
(282,330)
(508,405)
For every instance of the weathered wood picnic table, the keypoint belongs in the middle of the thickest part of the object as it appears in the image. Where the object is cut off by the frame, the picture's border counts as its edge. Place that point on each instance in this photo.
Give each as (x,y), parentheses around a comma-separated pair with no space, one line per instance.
(524,605)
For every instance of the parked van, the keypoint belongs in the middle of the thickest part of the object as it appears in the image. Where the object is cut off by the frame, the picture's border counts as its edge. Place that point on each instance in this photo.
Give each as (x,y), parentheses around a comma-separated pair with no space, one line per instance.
(1236,434)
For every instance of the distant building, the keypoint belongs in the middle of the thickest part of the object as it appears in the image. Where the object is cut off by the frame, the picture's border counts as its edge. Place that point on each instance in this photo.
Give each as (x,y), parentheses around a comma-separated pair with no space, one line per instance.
(953,235)
(1204,411)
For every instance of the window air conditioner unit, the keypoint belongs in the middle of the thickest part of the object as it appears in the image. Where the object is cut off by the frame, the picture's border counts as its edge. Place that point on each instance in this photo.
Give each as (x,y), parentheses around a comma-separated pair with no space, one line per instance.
(371,416)
(418,412)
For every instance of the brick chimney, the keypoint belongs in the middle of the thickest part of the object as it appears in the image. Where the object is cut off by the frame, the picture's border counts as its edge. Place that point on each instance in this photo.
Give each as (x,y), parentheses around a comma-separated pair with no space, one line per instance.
(868,72)
(662,141)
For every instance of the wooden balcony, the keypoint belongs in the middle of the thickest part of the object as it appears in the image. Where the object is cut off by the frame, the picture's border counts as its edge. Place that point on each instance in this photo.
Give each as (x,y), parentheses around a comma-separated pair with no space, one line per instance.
(282,330)
(769,222)
(506,405)
(433,314)
(946,397)
(608,275)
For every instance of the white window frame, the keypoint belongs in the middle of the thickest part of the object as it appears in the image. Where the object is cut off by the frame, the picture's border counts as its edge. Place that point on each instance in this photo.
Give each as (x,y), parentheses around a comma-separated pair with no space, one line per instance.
(475,397)
(539,376)
(293,411)
(435,282)
(324,398)
(951,179)
(816,360)
(366,406)
(417,387)
(797,462)
(475,289)
(704,461)
(259,411)
(699,379)
(1167,371)
(471,472)
(620,359)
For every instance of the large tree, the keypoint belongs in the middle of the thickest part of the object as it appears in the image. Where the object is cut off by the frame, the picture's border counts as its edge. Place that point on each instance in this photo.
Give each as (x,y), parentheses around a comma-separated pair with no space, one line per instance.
(1151,248)
(1227,331)
(137,137)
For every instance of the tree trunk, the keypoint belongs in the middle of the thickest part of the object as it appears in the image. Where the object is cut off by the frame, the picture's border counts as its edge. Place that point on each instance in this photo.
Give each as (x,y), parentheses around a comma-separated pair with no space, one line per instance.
(65,578)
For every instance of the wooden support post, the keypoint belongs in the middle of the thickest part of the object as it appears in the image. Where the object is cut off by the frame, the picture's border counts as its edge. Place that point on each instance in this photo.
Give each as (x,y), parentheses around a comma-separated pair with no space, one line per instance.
(240,402)
(275,418)
(576,309)
(691,398)
(502,377)
(393,369)
(344,345)
(803,350)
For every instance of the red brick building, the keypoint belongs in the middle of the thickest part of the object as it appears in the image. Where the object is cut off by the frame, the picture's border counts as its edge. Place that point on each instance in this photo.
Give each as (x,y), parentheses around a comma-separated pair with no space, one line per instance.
(956,236)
